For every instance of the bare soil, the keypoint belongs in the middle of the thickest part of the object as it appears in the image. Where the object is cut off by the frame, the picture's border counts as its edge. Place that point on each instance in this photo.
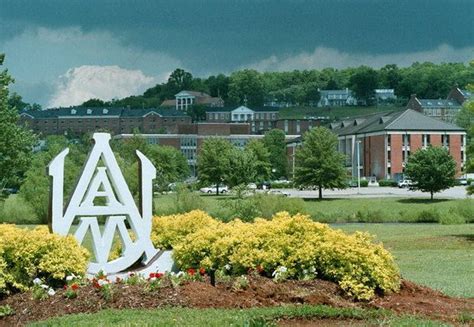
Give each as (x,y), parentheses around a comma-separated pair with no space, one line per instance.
(261,292)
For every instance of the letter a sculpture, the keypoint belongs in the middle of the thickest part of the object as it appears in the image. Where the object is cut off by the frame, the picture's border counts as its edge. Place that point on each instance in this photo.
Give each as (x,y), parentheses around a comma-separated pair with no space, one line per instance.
(102,178)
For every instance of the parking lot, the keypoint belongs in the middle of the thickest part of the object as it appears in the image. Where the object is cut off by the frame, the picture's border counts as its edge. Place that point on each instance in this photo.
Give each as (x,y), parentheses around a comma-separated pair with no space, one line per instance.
(457,192)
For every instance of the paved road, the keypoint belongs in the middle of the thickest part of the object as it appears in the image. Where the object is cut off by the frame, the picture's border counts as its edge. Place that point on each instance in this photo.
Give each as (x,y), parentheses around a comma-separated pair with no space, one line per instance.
(457,192)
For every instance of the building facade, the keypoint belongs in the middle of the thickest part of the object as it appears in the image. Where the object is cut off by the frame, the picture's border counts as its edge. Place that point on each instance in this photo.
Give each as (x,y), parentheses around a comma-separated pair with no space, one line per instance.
(379,145)
(336,98)
(185,99)
(446,110)
(79,120)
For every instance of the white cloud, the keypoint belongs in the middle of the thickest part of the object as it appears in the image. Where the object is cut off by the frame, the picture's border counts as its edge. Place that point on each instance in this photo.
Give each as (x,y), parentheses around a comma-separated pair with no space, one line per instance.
(103,82)
(323,57)
(39,55)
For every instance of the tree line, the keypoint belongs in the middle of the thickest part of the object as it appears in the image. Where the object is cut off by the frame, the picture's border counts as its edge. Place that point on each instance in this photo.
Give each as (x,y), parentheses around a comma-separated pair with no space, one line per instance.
(302,87)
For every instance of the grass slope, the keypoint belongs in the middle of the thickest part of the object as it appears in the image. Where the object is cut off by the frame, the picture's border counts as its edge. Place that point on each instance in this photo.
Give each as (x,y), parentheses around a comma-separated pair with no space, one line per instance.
(438,256)
(231,317)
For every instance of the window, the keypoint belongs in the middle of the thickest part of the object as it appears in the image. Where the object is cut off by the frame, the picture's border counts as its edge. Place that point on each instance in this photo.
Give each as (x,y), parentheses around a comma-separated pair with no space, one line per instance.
(298,126)
(388,140)
(445,140)
(426,140)
(406,140)
(286,126)
(389,156)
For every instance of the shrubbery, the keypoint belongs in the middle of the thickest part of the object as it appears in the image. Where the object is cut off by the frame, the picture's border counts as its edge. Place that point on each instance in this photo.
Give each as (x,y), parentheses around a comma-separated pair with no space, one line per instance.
(294,245)
(27,254)
(387,183)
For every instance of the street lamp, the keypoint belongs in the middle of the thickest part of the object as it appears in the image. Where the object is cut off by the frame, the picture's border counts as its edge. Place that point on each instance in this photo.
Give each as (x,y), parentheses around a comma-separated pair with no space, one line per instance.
(358,167)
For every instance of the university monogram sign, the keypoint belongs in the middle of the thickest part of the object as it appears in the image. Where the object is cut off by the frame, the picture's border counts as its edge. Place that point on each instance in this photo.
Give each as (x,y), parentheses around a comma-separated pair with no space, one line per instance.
(102,191)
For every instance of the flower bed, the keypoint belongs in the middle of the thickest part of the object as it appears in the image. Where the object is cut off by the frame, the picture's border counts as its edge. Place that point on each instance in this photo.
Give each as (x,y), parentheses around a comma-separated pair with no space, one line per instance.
(285,247)
(28,254)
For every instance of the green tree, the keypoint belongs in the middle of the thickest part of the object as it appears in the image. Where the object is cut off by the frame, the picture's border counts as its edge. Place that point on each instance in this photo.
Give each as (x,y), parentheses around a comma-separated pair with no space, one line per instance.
(318,163)
(171,165)
(213,161)
(241,168)
(431,170)
(197,112)
(364,82)
(16,142)
(274,141)
(263,167)
(36,186)
(246,87)
(179,80)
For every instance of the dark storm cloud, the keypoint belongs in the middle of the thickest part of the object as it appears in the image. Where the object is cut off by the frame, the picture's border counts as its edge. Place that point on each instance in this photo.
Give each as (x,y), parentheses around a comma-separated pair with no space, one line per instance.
(221,35)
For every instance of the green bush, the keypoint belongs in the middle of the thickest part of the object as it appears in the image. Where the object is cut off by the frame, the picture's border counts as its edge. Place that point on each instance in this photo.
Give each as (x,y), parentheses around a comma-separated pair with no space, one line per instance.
(186,200)
(429,216)
(15,210)
(451,218)
(387,183)
(466,209)
(370,216)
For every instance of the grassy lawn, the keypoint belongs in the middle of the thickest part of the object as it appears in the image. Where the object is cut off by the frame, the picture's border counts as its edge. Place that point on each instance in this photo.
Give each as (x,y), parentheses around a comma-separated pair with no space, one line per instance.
(232,317)
(438,256)
(346,209)
(333,113)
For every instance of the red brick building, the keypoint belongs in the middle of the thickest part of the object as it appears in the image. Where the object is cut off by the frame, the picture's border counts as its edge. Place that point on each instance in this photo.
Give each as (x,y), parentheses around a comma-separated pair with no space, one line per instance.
(387,140)
(79,120)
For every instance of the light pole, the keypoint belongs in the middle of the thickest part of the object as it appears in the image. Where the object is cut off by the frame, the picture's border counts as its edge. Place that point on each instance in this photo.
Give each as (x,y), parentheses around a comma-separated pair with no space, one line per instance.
(358,167)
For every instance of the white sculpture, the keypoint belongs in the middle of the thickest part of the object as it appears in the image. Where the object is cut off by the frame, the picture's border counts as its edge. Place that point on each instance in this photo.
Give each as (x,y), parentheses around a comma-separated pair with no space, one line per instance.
(108,182)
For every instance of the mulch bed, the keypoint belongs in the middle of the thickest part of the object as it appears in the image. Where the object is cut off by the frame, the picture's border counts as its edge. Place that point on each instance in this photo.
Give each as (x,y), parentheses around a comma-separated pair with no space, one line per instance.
(262,292)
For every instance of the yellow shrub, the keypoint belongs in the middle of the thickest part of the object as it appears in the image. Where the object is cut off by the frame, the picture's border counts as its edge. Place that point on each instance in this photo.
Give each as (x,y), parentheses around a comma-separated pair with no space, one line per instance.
(26,254)
(166,230)
(297,243)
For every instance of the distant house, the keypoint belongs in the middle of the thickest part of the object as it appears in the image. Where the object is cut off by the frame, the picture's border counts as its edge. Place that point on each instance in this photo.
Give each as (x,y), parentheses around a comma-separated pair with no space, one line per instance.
(459,95)
(384,95)
(340,98)
(437,108)
(184,99)
(260,119)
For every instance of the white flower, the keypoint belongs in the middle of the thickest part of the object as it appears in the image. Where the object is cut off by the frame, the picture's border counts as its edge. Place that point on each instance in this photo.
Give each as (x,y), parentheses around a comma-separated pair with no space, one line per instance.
(36,281)
(103,282)
(152,279)
(179,274)
(69,278)
(227,267)
(283,269)
(51,292)
(44,286)
(305,271)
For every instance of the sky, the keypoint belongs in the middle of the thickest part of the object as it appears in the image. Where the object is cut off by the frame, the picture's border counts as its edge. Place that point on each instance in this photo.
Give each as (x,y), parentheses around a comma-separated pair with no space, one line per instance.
(63,52)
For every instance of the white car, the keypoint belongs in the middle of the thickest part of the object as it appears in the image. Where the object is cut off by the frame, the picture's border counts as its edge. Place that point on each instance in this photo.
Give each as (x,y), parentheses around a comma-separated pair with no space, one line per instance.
(252,186)
(213,189)
(405,183)
(278,192)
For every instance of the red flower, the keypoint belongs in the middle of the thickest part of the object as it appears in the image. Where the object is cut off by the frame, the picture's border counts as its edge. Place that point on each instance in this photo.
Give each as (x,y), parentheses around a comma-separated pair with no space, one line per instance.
(65,287)
(152,275)
(159,275)
(202,271)
(191,271)
(74,287)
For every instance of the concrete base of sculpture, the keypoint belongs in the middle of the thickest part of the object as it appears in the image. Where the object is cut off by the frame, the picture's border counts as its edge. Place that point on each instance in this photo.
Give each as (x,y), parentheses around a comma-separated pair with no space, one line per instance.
(162,262)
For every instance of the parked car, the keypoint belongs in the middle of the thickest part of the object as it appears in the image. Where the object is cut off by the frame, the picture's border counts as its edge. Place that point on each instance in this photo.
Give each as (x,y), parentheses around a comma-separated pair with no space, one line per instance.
(213,189)
(462,181)
(252,186)
(278,192)
(264,186)
(405,183)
